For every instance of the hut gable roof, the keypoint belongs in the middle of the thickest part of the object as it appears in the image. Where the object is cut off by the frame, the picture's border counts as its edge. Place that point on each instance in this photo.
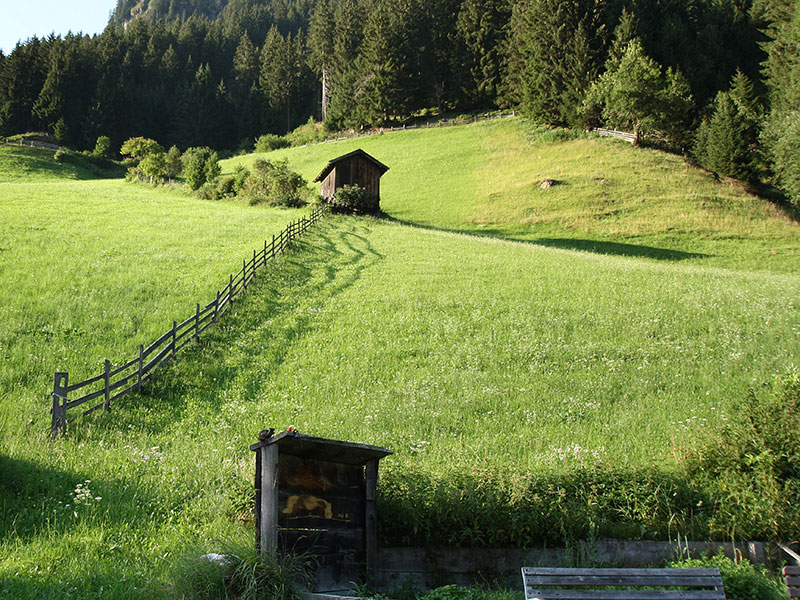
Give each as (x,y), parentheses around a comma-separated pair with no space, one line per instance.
(332,163)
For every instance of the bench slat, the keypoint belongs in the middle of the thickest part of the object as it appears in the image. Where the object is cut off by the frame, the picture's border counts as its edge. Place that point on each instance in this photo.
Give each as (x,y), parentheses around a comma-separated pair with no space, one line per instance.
(794,593)
(551,594)
(618,571)
(601,580)
(793,580)
(791,570)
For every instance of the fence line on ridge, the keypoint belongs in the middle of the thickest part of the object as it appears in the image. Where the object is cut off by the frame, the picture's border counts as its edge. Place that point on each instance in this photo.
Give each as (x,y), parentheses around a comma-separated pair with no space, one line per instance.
(116,380)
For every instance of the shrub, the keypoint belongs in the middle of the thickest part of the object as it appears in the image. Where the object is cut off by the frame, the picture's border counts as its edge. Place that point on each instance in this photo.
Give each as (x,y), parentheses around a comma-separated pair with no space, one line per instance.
(750,465)
(308,133)
(174,164)
(139,147)
(274,183)
(742,580)
(354,198)
(200,166)
(240,571)
(102,147)
(269,142)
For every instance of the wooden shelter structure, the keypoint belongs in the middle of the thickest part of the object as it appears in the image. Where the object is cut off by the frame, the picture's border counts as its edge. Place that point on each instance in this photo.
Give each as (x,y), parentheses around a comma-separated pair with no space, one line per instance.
(355,168)
(318,495)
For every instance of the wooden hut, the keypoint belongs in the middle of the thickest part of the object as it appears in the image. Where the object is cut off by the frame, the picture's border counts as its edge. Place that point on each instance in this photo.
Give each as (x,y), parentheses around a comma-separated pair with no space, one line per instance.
(318,495)
(355,168)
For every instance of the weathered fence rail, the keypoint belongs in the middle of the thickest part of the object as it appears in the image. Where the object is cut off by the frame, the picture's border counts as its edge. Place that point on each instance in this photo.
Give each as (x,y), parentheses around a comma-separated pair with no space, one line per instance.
(423,125)
(622,135)
(116,380)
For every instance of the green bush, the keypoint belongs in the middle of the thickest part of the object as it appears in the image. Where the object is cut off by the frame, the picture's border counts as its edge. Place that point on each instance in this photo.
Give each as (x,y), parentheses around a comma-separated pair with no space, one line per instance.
(274,183)
(200,166)
(269,142)
(102,148)
(309,133)
(742,580)
(239,571)
(354,198)
(750,465)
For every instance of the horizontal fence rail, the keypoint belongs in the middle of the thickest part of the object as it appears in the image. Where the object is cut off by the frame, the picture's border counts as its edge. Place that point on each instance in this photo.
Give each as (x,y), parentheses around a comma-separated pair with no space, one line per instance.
(622,135)
(424,125)
(119,379)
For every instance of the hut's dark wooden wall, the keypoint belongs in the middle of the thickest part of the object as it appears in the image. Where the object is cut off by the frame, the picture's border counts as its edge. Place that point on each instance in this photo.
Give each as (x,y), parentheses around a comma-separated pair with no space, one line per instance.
(322,510)
(355,170)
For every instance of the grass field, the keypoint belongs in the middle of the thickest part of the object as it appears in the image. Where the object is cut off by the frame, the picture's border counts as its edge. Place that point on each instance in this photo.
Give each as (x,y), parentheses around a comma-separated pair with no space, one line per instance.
(611,198)
(530,393)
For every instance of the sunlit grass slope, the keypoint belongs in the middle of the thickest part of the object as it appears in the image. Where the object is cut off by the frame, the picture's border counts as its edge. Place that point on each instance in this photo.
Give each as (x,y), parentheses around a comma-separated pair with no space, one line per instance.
(609,198)
(505,377)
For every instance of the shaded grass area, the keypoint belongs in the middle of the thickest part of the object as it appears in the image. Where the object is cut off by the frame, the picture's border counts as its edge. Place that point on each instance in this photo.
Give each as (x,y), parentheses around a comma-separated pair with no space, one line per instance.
(484,179)
(20,163)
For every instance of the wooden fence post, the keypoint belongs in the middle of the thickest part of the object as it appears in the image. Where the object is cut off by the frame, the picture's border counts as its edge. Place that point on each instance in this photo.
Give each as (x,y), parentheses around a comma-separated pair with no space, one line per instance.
(254,262)
(139,371)
(216,307)
(59,423)
(272,249)
(230,289)
(197,321)
(107,380)
(244,273)
(174,328)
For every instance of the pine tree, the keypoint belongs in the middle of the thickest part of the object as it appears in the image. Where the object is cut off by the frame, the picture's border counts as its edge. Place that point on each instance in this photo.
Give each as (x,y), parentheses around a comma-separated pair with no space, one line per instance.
(482,27)
(321,33)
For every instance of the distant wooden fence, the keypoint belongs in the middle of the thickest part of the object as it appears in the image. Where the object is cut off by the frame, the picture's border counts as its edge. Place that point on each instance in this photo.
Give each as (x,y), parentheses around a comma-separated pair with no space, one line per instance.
(426,125)
(32,144)
(118,380)
(622,135)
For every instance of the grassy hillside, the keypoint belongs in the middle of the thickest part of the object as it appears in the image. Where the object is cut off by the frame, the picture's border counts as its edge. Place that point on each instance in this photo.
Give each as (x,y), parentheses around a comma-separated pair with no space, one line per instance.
(530,393)
(610,198)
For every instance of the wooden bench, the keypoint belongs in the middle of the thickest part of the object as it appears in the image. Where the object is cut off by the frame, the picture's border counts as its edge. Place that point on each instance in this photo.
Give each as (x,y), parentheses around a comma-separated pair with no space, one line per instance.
(792,577)
(622,584)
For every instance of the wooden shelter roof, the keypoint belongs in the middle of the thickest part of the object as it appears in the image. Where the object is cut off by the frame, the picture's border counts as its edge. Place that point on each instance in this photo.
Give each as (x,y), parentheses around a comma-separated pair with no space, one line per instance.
(332,163)
(306,446)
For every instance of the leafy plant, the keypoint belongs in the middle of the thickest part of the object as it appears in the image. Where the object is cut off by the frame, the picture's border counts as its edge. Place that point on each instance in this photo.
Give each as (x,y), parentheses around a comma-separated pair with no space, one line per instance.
(742,579)
(200,166)
(275,184)
(269,142)
(241,572)
(354,198)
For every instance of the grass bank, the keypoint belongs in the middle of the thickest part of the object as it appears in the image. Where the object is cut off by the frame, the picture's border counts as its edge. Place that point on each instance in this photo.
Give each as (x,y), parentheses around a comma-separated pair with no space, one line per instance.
(609,198)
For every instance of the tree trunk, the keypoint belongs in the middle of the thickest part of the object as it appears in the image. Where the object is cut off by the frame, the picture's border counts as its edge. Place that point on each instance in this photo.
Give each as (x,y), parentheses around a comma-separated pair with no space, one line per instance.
(326,84)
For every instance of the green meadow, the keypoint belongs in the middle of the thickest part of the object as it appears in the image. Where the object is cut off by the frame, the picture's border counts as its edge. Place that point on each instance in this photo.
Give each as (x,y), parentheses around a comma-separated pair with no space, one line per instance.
(610,198)
(537,378)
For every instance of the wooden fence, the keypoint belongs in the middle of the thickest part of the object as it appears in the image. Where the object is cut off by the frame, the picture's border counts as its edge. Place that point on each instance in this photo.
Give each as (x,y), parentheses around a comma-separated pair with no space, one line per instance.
(119,379)
(622,135)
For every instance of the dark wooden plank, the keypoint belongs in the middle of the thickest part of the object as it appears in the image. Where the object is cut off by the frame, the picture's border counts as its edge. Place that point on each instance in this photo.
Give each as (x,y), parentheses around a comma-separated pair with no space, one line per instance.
(306,511)
(94,408)
(793,593)
(617,571)
(84,399)
(124,366)
(122,381)
(792,581)
(268,509)
(76,386)
(158,359)
(303,474)
(153,346)
(127,390)
(371,518)
(605,580)
(321,543)
(550,594)
(791,570)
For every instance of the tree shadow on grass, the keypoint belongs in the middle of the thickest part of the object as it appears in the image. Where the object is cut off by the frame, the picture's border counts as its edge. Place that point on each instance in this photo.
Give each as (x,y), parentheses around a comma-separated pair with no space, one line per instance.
(618,249)
(251,340)
(594,246)
(36,498)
